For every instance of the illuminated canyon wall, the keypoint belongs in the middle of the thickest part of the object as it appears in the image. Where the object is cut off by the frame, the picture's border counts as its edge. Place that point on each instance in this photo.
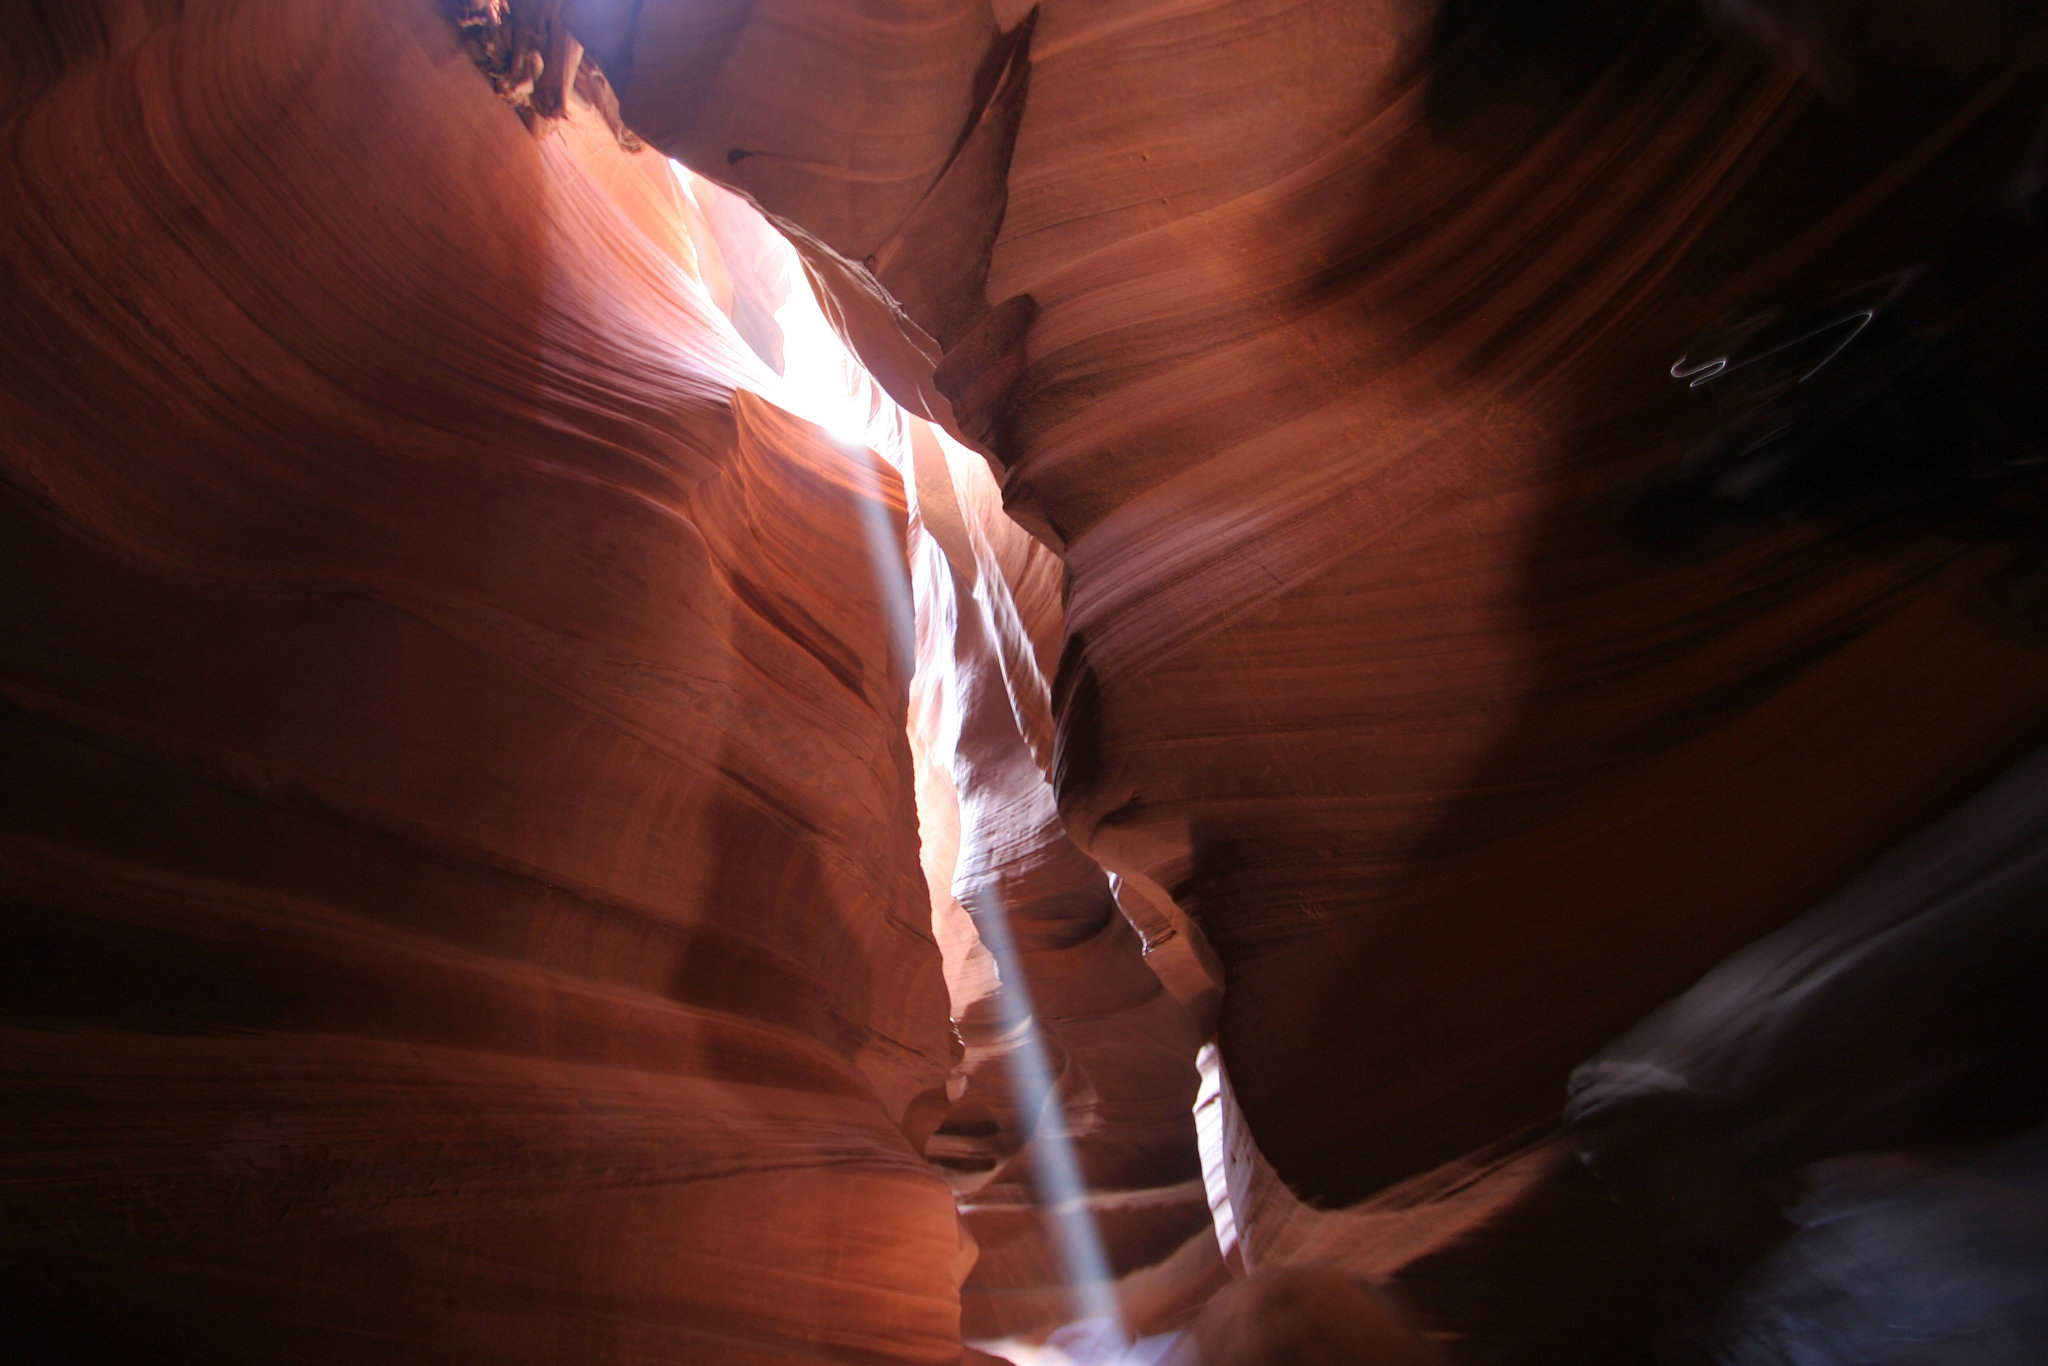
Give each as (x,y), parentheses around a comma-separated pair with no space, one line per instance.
(1431,658)
(1015,900)
(466,740)
(1327,344)
(462,879)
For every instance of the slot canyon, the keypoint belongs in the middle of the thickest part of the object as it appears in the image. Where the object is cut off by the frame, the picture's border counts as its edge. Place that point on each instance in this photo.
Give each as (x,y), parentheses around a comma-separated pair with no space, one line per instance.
(1169,682)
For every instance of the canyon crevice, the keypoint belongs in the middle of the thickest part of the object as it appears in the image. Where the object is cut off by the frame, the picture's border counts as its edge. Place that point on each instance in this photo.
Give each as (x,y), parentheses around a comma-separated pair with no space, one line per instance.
(522,840)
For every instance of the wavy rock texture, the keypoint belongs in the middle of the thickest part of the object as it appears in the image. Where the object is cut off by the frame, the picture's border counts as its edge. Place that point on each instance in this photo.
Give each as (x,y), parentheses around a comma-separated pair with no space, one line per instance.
(1330,345)
(464,898)
(1327,343)
(463,891)
(1119,1046)
(1898,1016)
(1507,1254)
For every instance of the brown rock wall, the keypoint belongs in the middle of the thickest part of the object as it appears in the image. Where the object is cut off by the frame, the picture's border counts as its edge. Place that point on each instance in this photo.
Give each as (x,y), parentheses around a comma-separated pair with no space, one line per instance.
(463,894)
(1119,1047)
(1329,343)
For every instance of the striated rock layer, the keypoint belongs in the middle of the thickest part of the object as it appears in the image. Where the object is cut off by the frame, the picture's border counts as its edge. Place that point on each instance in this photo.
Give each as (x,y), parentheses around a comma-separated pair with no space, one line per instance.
(1328,343)
(463,891)
(1346,353)
(463,896)
(1019,908)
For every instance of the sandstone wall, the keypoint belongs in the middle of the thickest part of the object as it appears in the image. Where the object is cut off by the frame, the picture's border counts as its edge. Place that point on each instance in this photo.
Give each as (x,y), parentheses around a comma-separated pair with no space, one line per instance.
(1329,343)
(462,881)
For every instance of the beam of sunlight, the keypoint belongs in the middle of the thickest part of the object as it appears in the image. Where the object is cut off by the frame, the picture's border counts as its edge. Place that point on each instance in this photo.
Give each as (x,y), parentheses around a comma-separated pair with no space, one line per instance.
(1062,1191)
(823,383)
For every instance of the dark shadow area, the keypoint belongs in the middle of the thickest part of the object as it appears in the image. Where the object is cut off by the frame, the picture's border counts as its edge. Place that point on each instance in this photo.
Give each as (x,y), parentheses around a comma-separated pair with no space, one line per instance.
(1701,558)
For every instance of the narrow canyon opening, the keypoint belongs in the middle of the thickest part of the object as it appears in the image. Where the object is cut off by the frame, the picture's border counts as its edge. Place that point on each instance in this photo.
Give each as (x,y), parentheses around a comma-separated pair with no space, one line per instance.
(1161,683)
(1010,1142)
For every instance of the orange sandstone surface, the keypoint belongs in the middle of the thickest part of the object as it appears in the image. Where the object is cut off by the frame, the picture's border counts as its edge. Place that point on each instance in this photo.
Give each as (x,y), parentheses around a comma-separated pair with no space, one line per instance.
(496,867)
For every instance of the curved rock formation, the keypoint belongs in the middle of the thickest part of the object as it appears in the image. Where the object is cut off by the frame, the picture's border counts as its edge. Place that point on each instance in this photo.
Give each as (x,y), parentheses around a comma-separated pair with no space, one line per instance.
(1015,899)
(1328,342)
(463,891)
(464,894)
(1318,1318)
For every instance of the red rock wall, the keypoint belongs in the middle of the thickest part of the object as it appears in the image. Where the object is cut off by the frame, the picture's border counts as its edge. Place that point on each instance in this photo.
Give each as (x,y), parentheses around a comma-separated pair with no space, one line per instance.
(462,886)
(1328,342)
(458,810)
(1119,1046)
